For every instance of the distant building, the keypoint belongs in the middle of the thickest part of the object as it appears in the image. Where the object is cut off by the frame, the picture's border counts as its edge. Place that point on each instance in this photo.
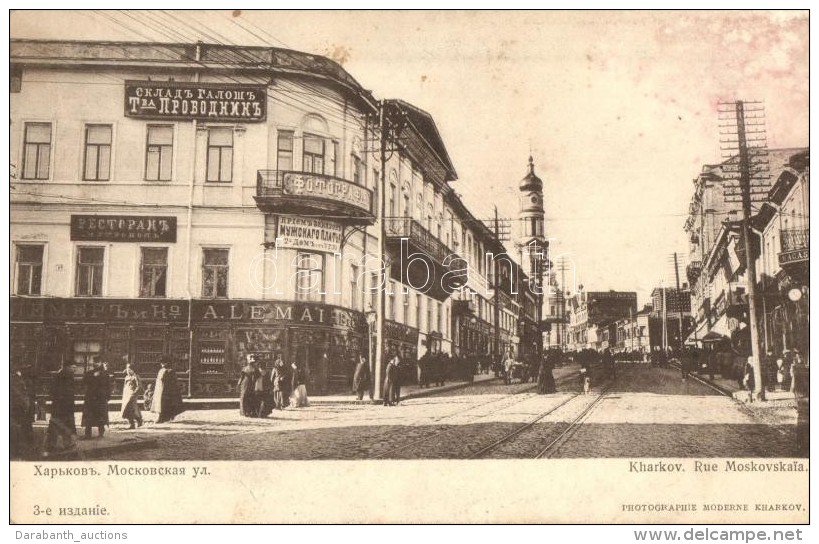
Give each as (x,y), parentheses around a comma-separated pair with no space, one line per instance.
(593,316)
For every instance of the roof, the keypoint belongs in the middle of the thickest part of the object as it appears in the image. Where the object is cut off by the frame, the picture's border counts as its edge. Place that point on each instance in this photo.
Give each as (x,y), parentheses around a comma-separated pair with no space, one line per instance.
(424,125)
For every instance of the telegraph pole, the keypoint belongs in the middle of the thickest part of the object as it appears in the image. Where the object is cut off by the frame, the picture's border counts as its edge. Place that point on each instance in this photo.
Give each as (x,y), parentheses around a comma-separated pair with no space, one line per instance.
(382,253)
(677,299)
(736,118)
(750,263)
(496,288)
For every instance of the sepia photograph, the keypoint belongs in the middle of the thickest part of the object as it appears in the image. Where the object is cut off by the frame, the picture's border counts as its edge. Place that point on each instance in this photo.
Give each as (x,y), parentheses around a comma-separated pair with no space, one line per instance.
(409,266)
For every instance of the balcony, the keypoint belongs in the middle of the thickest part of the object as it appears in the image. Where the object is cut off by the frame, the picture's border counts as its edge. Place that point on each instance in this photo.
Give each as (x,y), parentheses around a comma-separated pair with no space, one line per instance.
(693,271)
(795,246)
(422,246)
(292,192)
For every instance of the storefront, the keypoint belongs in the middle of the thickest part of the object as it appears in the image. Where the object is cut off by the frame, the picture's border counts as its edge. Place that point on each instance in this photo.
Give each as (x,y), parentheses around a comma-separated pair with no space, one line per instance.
(207,340)
(403,340)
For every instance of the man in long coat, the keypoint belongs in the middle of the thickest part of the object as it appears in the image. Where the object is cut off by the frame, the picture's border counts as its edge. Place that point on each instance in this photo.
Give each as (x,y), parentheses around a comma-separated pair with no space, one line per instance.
(247,388)
(97,384)
(361,377)
(167,399)
(390,381)
(264,393)
(61,425)
(22,433)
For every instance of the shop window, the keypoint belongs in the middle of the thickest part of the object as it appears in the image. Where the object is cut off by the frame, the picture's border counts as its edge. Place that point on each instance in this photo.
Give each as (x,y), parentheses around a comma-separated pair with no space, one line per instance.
(220,155)
(29,269)
(85,352)
(36,150)
(313,154)
(153,272)
(214,273)
(310,277)
(284,147)
(159,153)
(90,263)
(97,153)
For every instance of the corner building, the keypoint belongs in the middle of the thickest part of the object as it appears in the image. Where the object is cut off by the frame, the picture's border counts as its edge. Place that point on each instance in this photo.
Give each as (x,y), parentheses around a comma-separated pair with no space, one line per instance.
(207,202)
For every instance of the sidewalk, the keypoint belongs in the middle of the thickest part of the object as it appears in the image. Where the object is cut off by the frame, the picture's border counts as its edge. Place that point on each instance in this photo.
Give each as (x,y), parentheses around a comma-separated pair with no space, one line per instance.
(117,439)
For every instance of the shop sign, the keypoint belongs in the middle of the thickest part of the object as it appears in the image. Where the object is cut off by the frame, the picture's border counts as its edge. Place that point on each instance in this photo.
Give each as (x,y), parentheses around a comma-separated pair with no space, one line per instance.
(175,101)
(97,310)
(123,228)
(314,234)
(335,189)
(399,331)
(207,311)
(792,257)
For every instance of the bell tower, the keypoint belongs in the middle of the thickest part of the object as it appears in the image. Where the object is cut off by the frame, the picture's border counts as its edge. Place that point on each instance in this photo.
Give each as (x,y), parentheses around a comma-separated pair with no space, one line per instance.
(532,243)
(532,219)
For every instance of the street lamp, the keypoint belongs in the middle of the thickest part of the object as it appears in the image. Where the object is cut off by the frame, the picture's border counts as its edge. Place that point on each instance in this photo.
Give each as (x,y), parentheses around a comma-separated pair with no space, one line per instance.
(371,316)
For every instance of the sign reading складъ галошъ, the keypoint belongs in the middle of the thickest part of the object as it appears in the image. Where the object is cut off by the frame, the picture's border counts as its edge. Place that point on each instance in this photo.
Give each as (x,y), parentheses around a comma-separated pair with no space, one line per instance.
(187,101)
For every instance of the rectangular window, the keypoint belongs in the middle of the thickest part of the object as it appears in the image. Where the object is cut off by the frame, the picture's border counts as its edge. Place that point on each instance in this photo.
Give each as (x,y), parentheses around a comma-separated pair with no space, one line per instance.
(440,318)
(153,272)
(97,153)
(159,153)
(220,155)
(90,262)
(310,277)
(313,154)
(334,159)
(391,303)
(214,273)
(429,316)
(374,291)
(84,353)
(354,288)
(284,159)
(36,150)
(29,269)
(418,311)
(392,212)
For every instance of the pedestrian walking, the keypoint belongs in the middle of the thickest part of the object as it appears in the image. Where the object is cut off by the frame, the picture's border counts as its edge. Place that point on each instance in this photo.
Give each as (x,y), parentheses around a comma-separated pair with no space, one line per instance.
(545,378)
(264,393)
(396,386)
(390,378)
(97,385)
(278,377)
(800,386)
(508,362)
(167,399)
(61,424)
(148,396)
(361,378)
(298,395)
(21,437)
(247,388)
(130,398)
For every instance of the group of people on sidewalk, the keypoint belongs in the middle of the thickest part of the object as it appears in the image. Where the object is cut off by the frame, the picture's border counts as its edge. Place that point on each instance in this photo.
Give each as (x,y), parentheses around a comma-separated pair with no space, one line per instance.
(262,390)
(97,383)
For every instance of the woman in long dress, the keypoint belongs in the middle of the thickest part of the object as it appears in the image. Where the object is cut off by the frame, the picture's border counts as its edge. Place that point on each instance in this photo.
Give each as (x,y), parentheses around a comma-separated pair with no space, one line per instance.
(361,377)
(167,400)
(298,396)
(130,398)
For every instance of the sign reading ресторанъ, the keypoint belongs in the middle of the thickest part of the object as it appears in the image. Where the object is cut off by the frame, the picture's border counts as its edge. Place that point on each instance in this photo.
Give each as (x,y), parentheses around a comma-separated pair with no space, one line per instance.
(171,100)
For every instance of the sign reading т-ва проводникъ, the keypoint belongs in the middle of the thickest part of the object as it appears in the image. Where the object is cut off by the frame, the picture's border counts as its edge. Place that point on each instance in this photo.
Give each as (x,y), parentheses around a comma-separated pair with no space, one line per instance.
(171,100)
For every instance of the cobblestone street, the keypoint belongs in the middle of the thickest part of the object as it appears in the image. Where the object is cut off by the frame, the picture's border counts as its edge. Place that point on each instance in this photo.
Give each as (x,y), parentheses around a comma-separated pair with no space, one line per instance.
(645,412)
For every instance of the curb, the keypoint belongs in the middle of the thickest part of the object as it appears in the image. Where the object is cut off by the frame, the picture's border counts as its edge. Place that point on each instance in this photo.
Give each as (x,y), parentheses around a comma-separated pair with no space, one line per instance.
(79,454)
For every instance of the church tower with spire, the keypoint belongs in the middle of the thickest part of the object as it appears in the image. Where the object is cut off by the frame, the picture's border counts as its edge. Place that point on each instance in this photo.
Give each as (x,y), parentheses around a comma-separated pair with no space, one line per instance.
(532,242)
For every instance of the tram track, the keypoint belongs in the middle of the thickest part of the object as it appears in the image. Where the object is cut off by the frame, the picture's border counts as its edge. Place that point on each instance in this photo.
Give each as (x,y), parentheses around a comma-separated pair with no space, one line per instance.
(438,433)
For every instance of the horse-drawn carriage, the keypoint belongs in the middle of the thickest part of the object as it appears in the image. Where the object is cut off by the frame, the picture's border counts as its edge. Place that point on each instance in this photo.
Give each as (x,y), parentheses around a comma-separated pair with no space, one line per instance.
(519,371)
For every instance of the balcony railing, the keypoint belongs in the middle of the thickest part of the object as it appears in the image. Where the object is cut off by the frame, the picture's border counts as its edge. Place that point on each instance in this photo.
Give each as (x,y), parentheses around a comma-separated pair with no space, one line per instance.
(692,271)
(405,227)
(306,189)
(794,239)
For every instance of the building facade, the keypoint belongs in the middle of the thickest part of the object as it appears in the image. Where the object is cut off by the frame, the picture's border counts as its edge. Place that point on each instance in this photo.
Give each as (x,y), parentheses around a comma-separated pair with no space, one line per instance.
(593,316)
(779,243)
(207,202)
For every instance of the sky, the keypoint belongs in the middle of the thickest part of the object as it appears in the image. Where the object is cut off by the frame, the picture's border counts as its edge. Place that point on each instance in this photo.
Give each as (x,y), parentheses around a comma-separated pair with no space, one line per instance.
(618,109)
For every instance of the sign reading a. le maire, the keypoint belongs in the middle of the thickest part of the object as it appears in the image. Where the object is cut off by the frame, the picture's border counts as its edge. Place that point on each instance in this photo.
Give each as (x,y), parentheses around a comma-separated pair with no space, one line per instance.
(123,228)
(172,100)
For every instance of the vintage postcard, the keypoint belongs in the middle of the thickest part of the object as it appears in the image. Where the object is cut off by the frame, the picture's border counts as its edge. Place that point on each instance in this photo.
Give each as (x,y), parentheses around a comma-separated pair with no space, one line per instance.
(409,266)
